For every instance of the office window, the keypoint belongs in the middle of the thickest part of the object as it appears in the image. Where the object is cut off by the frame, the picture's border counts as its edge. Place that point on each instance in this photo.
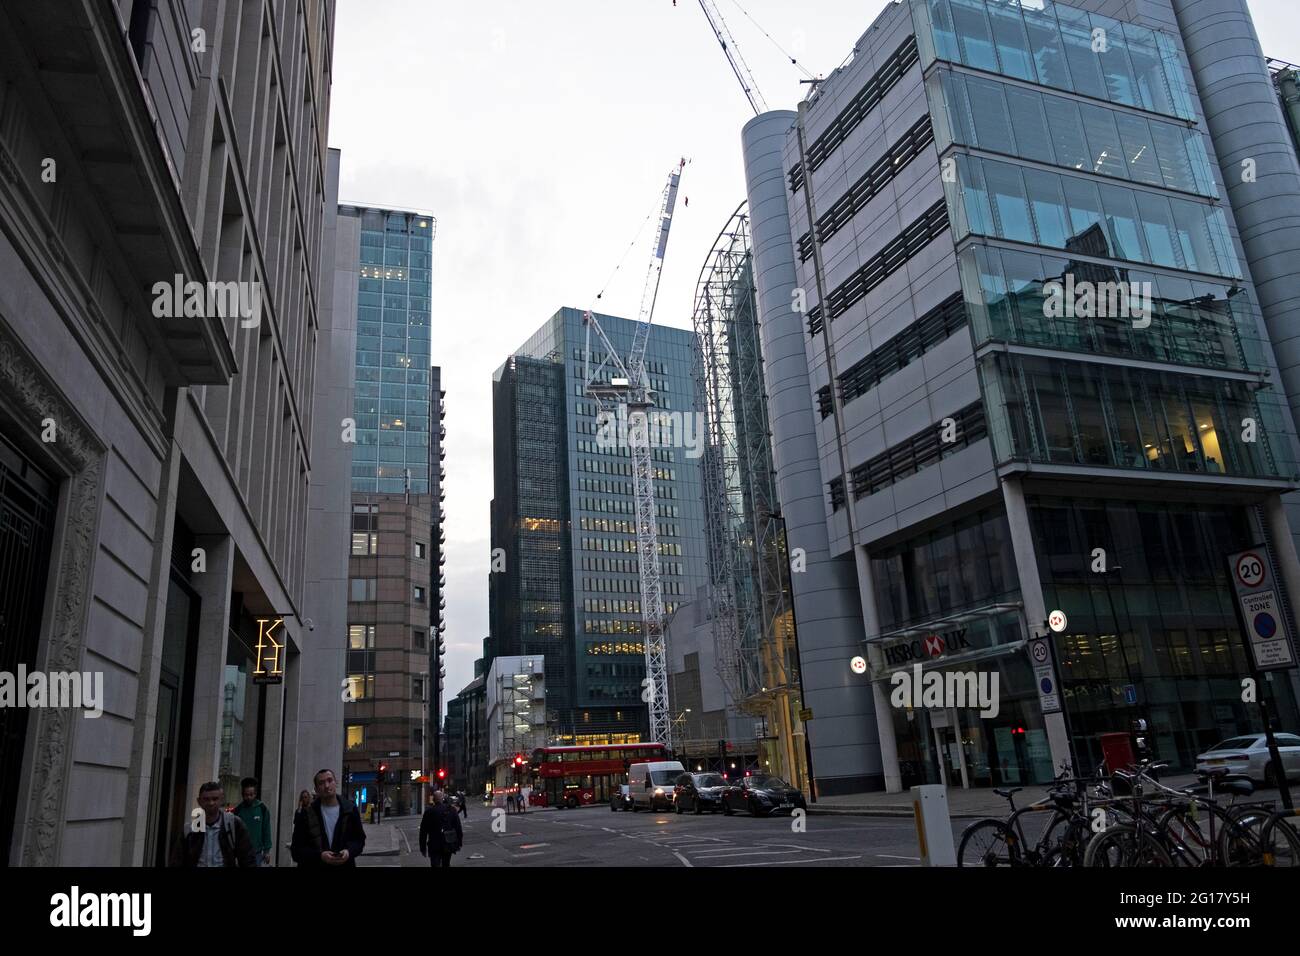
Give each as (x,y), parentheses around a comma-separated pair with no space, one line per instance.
(1085,68)
(362,589)
(355,737)
(1067,132)
(1032,139)
(417,637)
(417,688)
(974,36)
(989,111)
(1011,40)
(417,594)
(1139,151)
(1106,155)
(1116,70)
(361,637)
(1006,194)
(1148,73)
(420,550)
(1158,229)
(1046,48)
(1048,206)
(1122,222)
(361,686)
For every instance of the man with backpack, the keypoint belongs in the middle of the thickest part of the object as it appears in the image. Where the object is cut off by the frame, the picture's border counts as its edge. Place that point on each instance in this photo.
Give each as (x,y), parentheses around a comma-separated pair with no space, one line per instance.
(329,832)
(440,831)
(219,839)
(256,817)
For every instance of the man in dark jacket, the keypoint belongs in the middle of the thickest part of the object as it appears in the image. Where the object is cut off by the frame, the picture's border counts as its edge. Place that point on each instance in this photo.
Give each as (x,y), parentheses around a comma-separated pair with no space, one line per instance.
(440,831)
(329,832)
(216,838)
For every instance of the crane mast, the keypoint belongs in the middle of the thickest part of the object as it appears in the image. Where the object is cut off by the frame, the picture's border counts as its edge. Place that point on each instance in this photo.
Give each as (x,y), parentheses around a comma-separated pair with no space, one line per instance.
(631,387)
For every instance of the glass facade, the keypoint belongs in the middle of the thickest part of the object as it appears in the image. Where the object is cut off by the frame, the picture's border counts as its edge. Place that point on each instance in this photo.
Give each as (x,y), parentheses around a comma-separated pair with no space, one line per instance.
(1064,412)
(969,563)
(1079,214)
(1159,627)
(1192,321)
(1056,45)
(993,115)
(393,398)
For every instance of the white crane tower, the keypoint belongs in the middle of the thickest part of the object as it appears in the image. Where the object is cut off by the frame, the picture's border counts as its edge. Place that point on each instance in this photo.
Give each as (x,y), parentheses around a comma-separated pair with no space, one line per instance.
(628,384)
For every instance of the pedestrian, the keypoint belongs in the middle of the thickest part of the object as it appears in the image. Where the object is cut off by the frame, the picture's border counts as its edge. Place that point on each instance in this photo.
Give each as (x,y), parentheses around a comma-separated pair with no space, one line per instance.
(256,817)
(464,804)
(440,831)
(329,831)
(304,801)
(218,838)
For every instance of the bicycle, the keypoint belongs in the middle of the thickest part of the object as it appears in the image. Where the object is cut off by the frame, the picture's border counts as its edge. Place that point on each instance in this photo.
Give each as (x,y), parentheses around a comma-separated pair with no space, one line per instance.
(994,842)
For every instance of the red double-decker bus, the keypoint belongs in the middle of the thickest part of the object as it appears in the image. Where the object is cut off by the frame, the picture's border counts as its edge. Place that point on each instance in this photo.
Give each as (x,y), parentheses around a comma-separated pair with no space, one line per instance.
(576,776)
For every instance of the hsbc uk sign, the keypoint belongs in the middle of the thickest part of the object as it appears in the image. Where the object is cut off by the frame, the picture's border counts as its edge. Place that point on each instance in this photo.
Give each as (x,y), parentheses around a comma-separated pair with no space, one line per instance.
(926,648)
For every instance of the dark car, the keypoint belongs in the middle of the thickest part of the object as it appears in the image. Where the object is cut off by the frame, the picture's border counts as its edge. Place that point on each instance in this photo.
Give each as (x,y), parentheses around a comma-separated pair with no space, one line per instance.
(621,798)
(698,792)
(762,795)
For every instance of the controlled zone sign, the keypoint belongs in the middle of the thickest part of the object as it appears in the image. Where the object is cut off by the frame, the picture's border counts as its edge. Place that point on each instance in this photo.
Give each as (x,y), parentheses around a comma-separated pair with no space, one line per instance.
(1260,610)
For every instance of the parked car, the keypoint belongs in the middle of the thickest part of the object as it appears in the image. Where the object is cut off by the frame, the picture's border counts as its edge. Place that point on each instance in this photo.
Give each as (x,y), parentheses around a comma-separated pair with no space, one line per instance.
(762,795)
(621,799)
(652,782)
(1248,755)
(697,792)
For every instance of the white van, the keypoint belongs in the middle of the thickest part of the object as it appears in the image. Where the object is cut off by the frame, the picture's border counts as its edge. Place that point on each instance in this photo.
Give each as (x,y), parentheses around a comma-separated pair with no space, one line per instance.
(652,783)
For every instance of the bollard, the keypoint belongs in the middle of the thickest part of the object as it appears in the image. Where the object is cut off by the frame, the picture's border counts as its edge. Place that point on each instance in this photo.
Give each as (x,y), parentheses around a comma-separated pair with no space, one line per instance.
(933,825)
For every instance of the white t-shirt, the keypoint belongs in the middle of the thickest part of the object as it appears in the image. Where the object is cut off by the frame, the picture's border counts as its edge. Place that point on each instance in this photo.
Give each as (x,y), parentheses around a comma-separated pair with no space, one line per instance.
(331,817)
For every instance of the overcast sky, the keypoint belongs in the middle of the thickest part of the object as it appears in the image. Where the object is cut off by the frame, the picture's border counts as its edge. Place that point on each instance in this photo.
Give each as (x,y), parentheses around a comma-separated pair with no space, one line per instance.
(540,135)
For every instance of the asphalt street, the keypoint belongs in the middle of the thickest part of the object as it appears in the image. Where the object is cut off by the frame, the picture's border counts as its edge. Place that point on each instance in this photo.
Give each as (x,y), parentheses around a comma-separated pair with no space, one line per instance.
(595,836)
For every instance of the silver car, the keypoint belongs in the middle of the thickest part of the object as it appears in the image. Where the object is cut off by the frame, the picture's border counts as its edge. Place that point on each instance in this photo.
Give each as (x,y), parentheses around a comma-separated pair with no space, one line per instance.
(1248,755)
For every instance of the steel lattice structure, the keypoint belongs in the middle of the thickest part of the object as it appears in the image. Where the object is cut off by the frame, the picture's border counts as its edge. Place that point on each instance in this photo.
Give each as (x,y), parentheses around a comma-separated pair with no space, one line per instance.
(748,566)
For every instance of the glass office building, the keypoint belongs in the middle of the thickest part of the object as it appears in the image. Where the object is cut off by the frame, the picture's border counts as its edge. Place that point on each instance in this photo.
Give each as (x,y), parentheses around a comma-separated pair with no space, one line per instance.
(1054,366)
(563,516)
(393,396)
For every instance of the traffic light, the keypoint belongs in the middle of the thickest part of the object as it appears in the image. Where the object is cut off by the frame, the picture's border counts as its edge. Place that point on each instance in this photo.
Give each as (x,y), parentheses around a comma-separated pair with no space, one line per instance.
(383,769)
(519,760)
(442,774)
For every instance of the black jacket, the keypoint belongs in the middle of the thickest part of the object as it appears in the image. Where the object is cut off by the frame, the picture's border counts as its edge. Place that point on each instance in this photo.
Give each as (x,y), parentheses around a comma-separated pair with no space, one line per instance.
(436,819)
(236,847)
(309,834)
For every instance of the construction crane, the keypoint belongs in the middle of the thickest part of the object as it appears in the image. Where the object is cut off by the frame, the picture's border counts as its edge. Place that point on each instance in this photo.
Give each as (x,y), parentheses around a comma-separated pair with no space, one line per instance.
(729,47)
(629,384)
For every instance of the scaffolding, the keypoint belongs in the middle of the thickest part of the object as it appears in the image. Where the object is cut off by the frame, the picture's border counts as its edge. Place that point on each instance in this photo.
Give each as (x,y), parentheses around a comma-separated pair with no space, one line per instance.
(749,586)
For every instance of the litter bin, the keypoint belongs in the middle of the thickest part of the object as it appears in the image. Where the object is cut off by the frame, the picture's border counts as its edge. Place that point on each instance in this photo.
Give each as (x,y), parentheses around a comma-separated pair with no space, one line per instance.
(1117,750)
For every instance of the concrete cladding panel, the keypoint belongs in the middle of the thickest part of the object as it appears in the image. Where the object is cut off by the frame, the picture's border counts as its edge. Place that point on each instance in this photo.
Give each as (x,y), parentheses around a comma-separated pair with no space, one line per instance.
(846,753)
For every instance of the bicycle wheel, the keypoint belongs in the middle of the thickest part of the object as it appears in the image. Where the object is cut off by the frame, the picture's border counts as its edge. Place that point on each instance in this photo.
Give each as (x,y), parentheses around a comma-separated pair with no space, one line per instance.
(1239,841)
(1070,848)
(988,843)
(1120,846)
(1280,841)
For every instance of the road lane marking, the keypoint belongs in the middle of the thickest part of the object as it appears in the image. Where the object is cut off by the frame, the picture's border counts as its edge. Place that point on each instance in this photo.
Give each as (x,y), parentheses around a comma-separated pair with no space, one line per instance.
(895,856)
(822,859)
(717,855)
(685,862)
(531,846)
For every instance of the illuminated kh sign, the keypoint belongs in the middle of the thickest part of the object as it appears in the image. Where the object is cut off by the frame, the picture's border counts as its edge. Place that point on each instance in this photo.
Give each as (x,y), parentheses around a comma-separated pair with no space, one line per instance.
(269,668)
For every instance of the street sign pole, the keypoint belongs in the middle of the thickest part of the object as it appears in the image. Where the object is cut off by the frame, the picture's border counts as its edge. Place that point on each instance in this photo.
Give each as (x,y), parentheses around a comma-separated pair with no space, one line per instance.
(1264,636)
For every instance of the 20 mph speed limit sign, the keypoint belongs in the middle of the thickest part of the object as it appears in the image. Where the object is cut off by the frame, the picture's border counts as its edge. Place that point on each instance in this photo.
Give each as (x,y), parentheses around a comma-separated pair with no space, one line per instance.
(1249,569)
